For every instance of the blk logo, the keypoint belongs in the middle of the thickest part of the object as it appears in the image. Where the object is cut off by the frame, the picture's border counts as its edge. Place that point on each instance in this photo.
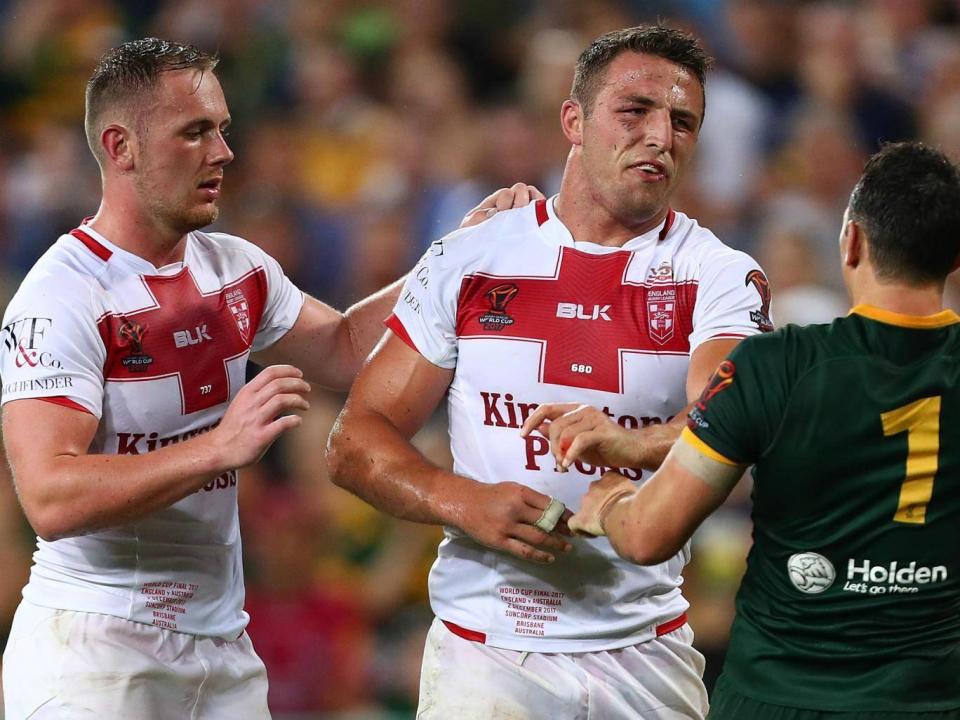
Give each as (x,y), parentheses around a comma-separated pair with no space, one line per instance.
(183,338)
(578,312)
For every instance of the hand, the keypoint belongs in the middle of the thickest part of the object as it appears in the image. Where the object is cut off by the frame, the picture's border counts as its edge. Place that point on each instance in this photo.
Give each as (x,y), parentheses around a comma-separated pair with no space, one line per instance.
(501,516)
(258,415)
(516,196)
(581,432)
(594,506)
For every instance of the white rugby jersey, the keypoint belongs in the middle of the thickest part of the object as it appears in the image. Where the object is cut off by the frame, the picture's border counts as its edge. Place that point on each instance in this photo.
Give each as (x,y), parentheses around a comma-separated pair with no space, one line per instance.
(155,355)
(527,315)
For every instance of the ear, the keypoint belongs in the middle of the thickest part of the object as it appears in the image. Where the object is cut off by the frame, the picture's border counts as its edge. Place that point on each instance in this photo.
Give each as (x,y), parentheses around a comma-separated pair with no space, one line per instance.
(852,244)
(117,144)
(571,120)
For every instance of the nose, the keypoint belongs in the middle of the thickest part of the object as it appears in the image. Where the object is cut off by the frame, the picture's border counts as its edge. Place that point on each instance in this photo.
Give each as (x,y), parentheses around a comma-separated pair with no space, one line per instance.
(659,130)
(221,154)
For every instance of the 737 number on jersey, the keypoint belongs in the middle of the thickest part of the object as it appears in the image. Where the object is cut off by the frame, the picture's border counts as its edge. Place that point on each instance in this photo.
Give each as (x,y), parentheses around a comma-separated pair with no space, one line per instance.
(921,421)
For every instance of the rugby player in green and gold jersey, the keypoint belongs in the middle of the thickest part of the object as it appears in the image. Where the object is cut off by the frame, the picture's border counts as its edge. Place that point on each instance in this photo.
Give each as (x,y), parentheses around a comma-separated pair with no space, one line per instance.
(850,606)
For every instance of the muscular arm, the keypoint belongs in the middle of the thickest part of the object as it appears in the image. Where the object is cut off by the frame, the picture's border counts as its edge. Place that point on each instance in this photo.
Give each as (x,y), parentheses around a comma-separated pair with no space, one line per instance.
(369,453)
(580,431)
(65,491)
(330,346)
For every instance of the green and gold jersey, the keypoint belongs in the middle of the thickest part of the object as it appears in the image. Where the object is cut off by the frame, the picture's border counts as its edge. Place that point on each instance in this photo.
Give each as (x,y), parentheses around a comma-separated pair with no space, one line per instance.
(851,598)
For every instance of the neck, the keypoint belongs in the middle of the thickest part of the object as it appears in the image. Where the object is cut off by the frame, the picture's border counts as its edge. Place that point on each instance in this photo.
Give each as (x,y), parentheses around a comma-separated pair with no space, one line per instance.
(127,226)
(587,217)
(902,299)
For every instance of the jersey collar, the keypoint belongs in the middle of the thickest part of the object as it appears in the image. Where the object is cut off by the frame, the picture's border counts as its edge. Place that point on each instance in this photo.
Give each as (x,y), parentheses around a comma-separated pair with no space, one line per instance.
(554,230)
(923,322)
(109,249)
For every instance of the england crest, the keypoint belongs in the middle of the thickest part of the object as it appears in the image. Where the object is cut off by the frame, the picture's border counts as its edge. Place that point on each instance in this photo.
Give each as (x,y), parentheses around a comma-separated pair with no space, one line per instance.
(660,316)
(240,310)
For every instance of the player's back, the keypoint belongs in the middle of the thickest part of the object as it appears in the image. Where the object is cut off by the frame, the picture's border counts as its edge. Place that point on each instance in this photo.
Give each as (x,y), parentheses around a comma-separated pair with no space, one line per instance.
(851,600)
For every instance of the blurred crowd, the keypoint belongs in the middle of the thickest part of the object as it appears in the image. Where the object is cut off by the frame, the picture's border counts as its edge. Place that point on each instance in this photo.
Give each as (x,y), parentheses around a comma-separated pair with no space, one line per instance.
(365,129)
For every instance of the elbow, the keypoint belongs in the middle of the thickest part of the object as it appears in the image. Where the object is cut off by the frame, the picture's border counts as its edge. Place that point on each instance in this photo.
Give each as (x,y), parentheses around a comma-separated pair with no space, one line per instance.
(646,548)
(49,525)
(51,520)
(336,456)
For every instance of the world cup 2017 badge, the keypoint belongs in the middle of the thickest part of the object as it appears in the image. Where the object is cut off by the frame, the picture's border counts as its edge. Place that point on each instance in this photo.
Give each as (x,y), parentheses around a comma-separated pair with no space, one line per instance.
(499,297)
(661,308)
(131,333)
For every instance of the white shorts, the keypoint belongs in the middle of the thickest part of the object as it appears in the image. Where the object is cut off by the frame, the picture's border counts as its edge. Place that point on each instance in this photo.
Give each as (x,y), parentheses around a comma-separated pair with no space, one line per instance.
(85,666)
(467,680)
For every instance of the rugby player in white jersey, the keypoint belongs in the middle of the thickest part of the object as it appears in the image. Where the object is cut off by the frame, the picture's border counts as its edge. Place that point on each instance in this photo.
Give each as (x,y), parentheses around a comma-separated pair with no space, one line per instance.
(125,415)
(604,296)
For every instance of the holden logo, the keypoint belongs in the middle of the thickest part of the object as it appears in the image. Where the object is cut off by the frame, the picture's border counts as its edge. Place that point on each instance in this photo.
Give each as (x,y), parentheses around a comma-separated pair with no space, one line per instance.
(810,572)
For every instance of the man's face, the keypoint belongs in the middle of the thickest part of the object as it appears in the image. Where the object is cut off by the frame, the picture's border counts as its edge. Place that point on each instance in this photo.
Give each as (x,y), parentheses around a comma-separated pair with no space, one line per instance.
(181,150)
(640,135)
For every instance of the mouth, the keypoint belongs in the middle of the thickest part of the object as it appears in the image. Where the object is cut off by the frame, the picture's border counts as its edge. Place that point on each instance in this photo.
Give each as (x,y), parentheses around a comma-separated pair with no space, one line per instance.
(650,170)
(211,187)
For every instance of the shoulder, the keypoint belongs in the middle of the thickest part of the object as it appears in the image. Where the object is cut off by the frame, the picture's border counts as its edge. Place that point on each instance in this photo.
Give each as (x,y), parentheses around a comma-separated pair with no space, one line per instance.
(67,274)
(791,350)
(468,248)
(700,247)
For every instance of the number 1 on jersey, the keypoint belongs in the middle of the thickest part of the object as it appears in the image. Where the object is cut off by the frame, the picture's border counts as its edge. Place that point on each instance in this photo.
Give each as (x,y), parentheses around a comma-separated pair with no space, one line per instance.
(921,421)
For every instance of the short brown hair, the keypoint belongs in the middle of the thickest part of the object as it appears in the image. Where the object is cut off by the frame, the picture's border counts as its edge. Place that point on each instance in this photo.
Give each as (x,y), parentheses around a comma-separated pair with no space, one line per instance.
(128,71)
(668,43)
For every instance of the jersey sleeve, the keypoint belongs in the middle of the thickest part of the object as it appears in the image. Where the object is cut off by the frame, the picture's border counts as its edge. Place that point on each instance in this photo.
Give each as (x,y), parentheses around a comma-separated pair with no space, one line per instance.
(740,410)
(282,307)
(51,347)
(733,299)
(426,311)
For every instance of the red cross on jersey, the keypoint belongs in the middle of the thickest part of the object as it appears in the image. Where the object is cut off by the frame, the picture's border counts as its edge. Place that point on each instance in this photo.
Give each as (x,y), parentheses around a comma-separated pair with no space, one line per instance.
(585,317)
(185,334)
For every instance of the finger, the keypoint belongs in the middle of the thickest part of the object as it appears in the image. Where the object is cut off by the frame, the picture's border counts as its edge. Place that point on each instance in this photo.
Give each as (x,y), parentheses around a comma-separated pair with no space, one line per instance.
(536,501)
(521,196)
(547,411)
(562,431)
(582,443)
(477,216)
(284,423)
(282,404)
(527,552)
(289,385)
(578,525)
(538,538)
(535,193)
(271,373)
(504,199)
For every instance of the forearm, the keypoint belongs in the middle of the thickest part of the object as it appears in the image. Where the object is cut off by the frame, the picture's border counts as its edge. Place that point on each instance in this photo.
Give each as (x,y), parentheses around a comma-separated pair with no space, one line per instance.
(371,458)
(84,493)
(363,323)
(636,532)
(654,443)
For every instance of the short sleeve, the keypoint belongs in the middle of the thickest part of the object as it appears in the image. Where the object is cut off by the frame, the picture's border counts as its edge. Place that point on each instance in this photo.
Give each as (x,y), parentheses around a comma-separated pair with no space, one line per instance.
(733,299)
(740,410)
(282,307)
(425,314)
(51,346)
